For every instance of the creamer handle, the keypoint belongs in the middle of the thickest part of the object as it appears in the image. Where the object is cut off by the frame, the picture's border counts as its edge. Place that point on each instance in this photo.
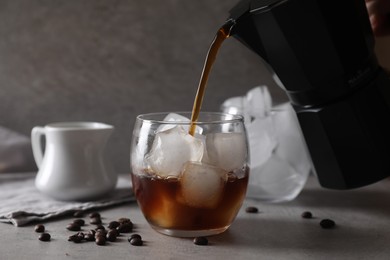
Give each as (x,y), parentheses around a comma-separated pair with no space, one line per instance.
(36,136)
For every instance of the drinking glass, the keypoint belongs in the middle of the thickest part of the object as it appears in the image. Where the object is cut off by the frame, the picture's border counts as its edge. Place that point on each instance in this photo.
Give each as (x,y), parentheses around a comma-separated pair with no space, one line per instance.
(189,185)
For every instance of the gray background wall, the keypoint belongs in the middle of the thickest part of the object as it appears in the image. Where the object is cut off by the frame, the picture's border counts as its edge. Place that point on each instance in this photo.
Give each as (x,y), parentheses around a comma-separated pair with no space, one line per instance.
(109,60)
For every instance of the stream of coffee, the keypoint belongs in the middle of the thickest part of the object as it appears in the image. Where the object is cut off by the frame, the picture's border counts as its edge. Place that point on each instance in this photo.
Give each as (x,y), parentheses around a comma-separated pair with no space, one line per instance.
(222,34)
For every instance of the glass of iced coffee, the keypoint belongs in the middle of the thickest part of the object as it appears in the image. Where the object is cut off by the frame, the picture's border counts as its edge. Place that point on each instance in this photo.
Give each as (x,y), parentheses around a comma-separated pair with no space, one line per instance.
(189,178)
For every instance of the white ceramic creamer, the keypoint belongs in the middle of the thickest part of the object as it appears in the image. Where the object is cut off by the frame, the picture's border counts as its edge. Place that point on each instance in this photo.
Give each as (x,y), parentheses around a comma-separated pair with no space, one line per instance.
(73,165)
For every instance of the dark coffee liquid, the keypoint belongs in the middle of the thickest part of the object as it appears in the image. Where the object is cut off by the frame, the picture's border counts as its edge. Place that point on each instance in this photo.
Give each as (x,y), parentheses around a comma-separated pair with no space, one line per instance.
(163,205)
(222,34)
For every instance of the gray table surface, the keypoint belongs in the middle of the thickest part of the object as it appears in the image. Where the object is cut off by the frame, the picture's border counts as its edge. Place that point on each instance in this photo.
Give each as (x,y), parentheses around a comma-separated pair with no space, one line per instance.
(278,231)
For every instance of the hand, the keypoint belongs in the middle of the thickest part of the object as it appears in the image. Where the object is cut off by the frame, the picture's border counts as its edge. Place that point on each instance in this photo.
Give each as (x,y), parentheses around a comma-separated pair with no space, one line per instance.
(379,12)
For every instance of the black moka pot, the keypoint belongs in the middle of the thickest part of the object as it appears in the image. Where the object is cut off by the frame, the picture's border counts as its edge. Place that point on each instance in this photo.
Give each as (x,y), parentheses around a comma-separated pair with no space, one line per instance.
(322,51)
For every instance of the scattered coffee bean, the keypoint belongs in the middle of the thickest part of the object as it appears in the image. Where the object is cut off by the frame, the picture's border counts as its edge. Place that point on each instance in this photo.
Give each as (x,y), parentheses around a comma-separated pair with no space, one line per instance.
(44,237)
(89,237)
(251,210)
(39,228)
(100,227)
(113,224)
(95,221)
(70,238)
(77,238)
(125,227)
(100,240)
(80,234)
(306,214)
(327,223)
(124,220)
(101,233)
(135,241)
(201,241)
(92,232)
(111,236)
(134,236)
(78,214)
(114,231)
(73,227)
(94,215)
(79,222)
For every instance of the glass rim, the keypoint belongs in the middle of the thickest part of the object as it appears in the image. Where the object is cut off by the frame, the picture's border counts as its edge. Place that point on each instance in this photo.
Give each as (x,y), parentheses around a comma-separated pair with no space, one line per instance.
(150,117)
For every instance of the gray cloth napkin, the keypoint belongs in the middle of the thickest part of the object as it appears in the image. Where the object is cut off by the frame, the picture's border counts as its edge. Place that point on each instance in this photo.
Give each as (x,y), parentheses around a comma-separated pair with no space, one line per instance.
(21,203)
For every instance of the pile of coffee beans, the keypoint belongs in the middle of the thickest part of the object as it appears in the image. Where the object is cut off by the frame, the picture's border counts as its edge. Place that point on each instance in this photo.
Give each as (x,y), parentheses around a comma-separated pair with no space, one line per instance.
(101,234)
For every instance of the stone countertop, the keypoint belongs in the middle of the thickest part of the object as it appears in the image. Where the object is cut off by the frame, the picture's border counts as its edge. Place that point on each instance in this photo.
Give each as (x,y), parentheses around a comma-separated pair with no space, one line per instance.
(277,232)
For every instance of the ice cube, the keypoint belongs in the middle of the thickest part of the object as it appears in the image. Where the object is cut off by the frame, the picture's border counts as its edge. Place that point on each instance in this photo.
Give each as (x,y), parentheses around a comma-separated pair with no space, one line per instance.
(262,140)
(233,105)
(202,185)
(174,117)
(227,151)
(171,149)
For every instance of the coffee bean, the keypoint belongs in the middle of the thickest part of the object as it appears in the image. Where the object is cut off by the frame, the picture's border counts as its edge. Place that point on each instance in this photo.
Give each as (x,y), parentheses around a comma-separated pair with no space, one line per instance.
(77,238)
(100,232)
(114,231)
(111,237)
(327,223)
(92,232)
(94,215)
(73,227)
(78,214)
(306,214)
(89,237)
(125,227)
(100,227)
(79,222)
(251,210)
(39,228)
(71,238)
(201,241)
(124,220)
(113,224)
(134,236)
(45,237)
(95,221)
(135,241)
(100,241)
